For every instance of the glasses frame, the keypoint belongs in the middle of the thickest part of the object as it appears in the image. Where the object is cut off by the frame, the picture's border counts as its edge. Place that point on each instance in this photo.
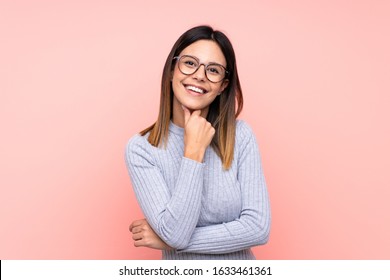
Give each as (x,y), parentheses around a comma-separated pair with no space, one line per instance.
(200,64)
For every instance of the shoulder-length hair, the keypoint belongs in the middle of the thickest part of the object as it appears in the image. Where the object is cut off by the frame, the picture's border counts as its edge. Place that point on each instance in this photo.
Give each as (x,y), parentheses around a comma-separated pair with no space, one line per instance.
(223,111)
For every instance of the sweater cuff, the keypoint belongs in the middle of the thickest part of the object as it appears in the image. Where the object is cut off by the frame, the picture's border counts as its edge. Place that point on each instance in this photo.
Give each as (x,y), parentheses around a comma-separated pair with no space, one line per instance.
(191,164)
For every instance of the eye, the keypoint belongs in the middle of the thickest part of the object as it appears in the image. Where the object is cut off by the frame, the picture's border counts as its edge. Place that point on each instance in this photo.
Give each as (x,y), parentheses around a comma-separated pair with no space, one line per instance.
(189,62)
(214,69)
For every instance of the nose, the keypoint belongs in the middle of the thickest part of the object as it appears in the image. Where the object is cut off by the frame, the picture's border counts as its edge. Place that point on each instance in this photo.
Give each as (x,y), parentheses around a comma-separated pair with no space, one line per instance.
(200,73)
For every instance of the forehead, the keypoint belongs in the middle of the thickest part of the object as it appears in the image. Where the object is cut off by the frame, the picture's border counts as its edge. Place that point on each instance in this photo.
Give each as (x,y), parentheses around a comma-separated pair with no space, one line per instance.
(206,50)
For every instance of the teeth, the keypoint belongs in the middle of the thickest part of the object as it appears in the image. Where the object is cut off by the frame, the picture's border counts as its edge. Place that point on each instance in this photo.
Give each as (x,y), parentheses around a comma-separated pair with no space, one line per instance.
(195,89)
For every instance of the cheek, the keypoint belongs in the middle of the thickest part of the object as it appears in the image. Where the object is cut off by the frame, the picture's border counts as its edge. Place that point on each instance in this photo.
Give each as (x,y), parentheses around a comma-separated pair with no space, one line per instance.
(216,89)
(175,78)
(176,74)
(177,86)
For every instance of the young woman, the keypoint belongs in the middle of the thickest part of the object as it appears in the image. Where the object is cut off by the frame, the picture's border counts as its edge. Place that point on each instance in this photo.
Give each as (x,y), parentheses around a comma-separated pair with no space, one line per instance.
(196,171)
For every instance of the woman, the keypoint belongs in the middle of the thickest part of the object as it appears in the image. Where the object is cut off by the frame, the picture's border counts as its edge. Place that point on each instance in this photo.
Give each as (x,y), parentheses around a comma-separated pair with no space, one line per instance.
(196,171)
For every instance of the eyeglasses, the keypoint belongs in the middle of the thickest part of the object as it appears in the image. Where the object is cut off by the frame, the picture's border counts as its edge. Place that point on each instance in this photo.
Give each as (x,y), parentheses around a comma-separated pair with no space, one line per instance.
(188,65)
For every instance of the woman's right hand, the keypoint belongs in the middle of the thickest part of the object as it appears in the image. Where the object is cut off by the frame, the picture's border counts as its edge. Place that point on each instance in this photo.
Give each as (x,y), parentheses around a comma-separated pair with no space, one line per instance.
(144,236)
(198,133)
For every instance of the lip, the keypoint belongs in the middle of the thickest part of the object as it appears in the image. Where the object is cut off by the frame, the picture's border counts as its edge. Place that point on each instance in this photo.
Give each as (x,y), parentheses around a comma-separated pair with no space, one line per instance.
(193,92)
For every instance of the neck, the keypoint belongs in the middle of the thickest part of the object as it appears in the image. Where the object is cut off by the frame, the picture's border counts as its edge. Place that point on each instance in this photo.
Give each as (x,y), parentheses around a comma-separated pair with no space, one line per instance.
(178,114)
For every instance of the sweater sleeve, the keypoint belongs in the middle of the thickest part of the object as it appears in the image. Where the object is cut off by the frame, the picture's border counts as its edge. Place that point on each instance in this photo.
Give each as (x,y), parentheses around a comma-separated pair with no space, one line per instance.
(253,226)
(173,215)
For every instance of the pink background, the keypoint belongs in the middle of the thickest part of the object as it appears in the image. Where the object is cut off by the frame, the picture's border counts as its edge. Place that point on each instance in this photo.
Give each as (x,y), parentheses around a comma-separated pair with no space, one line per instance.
(79,78)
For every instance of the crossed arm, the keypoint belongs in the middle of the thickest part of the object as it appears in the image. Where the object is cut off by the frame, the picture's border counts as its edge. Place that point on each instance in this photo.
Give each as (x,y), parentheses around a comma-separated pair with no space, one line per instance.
(171,220)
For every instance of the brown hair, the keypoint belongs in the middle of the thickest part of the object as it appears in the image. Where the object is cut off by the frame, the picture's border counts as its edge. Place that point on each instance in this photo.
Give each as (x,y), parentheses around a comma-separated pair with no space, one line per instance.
(223,111)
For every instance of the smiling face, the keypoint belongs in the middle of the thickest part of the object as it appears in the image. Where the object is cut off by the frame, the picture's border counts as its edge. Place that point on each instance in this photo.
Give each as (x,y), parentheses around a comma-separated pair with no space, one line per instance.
(195,91)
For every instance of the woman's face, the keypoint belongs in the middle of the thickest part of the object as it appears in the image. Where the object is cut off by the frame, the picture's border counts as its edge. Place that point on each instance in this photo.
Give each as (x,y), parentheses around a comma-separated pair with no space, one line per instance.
(195,91)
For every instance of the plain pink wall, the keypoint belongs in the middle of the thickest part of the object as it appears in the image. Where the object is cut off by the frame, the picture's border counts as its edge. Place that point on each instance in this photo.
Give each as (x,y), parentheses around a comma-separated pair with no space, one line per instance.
(78,78)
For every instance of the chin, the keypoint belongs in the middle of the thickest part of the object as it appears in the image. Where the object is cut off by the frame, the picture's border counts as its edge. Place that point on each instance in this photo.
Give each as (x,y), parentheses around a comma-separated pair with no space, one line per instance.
(193,107)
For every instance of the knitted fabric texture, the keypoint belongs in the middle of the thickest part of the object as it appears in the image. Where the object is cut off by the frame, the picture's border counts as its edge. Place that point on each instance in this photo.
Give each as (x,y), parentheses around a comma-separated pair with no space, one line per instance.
(200,209)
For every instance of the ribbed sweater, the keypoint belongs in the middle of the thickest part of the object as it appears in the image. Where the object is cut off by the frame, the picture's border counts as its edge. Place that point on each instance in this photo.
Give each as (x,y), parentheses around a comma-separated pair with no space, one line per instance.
(200,209)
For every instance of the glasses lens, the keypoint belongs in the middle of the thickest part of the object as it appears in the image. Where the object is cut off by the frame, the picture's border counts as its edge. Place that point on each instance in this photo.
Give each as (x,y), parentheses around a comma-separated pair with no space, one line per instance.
(188,65)
(215,72)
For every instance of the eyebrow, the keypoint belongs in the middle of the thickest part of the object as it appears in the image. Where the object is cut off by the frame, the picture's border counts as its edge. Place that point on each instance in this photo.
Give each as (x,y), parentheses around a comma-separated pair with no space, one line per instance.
(212,62)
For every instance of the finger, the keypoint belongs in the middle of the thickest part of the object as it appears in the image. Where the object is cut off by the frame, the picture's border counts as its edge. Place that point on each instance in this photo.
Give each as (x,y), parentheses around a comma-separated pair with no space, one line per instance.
(137,236)
(137,223)
(139,243)
(136,229)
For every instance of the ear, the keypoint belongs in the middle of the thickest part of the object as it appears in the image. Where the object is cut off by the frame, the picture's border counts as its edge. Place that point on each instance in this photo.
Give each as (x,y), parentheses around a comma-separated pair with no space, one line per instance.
(224,84)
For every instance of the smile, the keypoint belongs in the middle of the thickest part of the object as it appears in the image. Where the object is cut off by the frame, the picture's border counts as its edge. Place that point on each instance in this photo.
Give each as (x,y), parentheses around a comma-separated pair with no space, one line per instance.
(196,89)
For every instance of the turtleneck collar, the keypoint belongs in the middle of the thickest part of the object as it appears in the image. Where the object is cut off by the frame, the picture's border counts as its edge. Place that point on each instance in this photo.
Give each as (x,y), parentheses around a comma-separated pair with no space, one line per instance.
(176,129)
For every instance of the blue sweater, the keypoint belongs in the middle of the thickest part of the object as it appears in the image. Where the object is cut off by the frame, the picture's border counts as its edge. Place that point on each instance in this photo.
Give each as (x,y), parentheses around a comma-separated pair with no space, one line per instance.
(200,209)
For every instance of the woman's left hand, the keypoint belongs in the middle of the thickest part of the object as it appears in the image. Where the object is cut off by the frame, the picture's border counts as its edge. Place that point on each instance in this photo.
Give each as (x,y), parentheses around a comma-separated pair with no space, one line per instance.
(144,236)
